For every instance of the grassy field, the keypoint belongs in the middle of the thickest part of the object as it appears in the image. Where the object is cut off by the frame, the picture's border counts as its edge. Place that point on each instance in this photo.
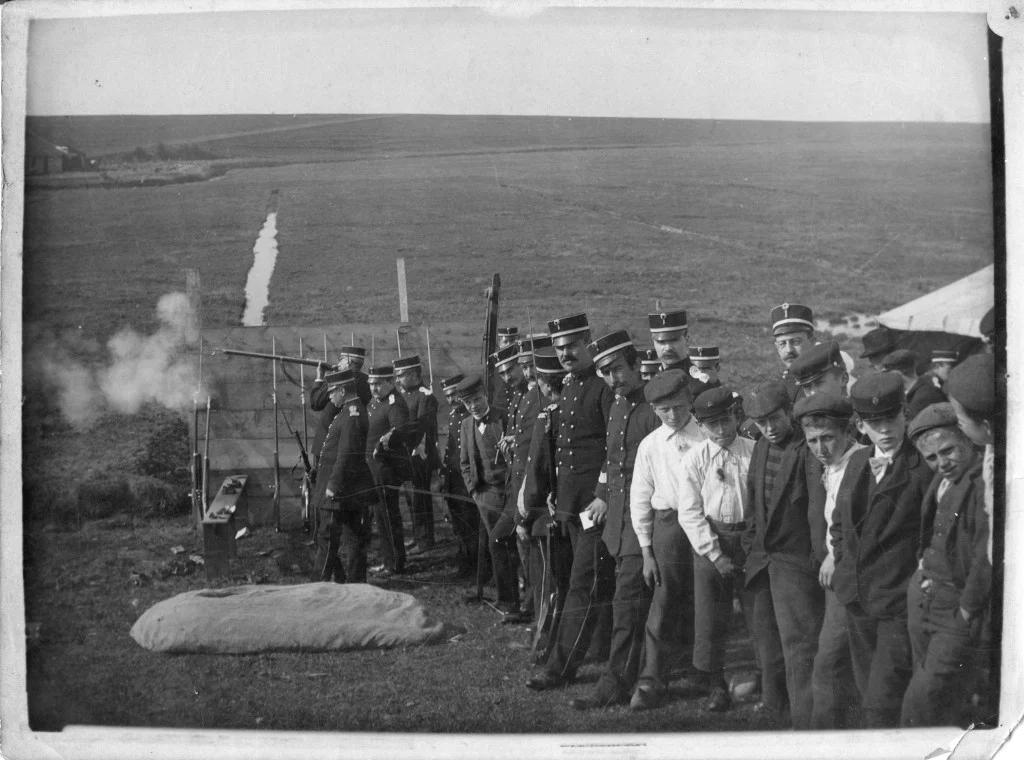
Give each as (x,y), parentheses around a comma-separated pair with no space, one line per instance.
(609,216)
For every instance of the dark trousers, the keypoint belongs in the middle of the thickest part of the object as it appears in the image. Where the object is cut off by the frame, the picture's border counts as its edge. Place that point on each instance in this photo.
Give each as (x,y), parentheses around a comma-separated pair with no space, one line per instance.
(767,642)
(501,542)
(421,503)
(552,553)
(630,606)
(388,519)
(345,530)
(880,650)
(668,634)
(945,656)
(799,602)
(465,526)
(836,699)
(591,589)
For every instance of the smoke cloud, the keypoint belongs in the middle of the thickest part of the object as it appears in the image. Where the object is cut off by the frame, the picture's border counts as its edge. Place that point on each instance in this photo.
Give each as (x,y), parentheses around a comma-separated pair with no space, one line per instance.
(140,369)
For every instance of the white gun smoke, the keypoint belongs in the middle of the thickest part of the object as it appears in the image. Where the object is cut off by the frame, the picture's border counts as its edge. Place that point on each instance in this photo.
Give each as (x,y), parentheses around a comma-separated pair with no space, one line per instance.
(142,369)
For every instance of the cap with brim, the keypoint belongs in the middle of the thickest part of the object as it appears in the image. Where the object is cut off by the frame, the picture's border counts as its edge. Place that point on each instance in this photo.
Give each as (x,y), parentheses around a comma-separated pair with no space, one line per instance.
(766,399)
(340,378)
(547,362)
(704,354)
(449,383)
(823,405)
(878,396)
(649,360)
(353,352)
(973,384)
(381,372)
(567,329)
(469,386)
(530,344)
(406,363)
(943,356)
(714,404)
(665,385)
(790,317)
(988,324)
(508,332)
(603,350)
(815,362)
(666,323)
(932,417)
(505,357)
(877,342)
(900,360)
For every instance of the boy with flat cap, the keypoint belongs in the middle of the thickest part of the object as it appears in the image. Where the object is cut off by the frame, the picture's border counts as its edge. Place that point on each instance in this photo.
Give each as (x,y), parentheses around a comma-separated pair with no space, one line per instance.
(388,457)
(423,445)
(345,488)
(712,484)
(461,507)
(667,555)
(948,595)
(780,569)
(583,424)
(826,420)
(484,469)
(875,535)
(919,390)
(630,421)
(793,333)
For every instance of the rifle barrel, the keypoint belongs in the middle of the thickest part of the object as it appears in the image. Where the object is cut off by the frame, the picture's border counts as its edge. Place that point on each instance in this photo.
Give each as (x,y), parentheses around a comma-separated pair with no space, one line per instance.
(271,357)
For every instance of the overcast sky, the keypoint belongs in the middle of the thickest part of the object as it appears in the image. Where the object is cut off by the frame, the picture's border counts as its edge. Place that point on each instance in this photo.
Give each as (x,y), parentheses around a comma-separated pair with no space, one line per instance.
(698,64)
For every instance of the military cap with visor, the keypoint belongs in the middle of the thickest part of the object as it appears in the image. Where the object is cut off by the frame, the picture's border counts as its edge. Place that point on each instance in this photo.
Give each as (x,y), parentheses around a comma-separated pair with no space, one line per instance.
(381,372)
(944,356)
(566,330)
(505,357)
(509,331)
(791,317)
(878,395)
(531,343)
(546,361)
(451,382)
(406,363)
(815,361)
(603,350)
(353,352)
(667,322)
(704,354)
(340,378)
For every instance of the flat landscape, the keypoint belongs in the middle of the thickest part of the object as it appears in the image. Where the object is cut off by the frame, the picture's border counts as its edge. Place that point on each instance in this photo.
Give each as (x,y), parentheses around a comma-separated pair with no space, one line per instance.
(725,219)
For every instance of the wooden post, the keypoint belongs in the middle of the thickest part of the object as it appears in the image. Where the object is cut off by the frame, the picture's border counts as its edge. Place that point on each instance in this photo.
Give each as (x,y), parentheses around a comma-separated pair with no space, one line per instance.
(403,295)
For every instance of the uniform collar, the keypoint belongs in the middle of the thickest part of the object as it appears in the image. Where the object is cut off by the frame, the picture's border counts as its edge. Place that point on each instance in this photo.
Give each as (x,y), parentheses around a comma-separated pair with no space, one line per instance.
(584,374)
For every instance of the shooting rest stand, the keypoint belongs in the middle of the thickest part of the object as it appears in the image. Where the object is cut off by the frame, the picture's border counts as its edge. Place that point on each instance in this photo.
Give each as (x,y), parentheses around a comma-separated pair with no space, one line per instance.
(219,526)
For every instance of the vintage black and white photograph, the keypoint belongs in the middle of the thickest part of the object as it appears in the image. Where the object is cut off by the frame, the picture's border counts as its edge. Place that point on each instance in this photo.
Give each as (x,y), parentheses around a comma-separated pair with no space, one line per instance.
(506,378)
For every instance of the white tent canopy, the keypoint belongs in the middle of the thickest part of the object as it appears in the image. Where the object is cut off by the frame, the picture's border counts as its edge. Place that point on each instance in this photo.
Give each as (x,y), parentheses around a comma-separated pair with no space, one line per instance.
(957,308)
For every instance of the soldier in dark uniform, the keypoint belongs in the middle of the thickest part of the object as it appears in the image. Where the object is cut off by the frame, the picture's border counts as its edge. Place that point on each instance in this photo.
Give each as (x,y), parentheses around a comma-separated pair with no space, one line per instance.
(943,361)
(920,391)
(583,424)
(793,333)
(515,445)
(352,357)
(387,455)
(345,487)
(875,534)
(878,343)
(423,448)
(707,363)
(527,346)
(650,364)
(552,549)
(461,507)
(501,393)
(670,334)
(484,469)
(630,421)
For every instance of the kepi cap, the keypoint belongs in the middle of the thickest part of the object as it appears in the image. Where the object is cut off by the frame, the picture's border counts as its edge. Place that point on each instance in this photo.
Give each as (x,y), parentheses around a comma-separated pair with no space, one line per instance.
(766,399)
(790,317)
(531,343)
(339,378)
(944,356)
(449,383)
(603,350)
(931,417)
(704,354)
(649,360)
(816,361)
(506,356)
(667,322)
(406,363)
(714,404)
(509,331)
(381,372)
(547,362)
(355,352)
(878,395)
(567,329)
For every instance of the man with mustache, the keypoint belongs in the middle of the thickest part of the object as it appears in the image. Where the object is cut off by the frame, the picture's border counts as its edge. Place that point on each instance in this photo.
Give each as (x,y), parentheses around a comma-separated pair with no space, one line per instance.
(583,423)
(948,595)
(630,421)
(670,335)
(793,333)
(423,445)
(875,536)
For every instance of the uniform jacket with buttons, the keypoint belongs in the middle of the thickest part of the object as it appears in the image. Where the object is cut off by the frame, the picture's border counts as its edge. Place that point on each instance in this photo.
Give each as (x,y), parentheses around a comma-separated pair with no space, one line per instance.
(525,407)
(630,420)
(583,411)
(343,468)
(954,538)
(778,530)
(388,414)
(539,480)
(451,468)
(876,531)
(423,413)
(320,397)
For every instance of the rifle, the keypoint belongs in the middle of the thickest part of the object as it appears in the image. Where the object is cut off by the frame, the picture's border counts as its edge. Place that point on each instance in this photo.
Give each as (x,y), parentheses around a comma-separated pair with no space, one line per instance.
(308,481)
(490,343)
(557,599)
(273,357)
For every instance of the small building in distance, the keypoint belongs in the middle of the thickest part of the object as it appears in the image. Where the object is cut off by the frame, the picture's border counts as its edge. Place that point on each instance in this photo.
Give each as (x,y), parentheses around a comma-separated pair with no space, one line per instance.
(45,157)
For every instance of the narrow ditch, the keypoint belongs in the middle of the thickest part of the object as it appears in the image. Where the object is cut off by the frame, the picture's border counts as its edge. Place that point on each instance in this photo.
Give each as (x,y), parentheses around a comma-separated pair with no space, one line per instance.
(257,284)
